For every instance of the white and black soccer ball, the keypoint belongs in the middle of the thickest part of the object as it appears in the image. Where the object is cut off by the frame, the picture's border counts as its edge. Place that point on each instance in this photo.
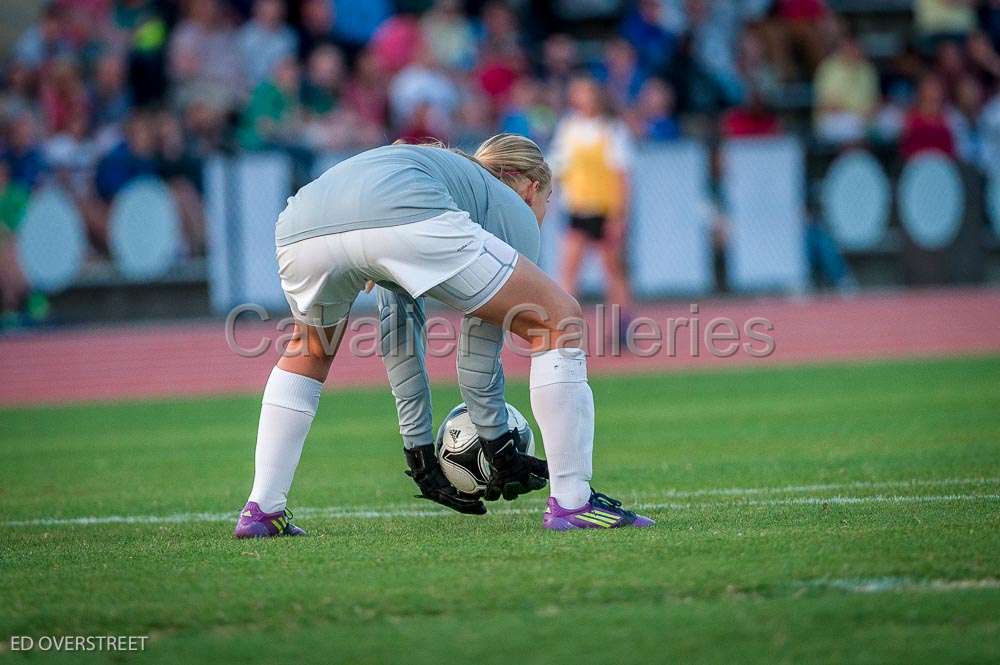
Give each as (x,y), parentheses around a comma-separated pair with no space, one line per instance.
(461,455)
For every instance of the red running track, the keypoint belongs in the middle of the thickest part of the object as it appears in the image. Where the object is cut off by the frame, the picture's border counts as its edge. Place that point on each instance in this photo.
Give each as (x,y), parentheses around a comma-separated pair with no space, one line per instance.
(185,359)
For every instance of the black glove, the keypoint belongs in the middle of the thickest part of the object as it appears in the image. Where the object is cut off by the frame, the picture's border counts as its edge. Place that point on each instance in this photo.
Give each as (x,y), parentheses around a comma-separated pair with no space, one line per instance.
(514,473)
(427,474)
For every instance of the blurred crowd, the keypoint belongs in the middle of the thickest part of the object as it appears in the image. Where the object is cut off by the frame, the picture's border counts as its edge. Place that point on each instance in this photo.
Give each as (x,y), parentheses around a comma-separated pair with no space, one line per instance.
(98,92)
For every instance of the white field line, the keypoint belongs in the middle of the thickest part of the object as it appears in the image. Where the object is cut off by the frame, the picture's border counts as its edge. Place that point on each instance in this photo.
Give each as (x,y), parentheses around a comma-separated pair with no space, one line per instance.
(890,584)
(830,487)
(374,513)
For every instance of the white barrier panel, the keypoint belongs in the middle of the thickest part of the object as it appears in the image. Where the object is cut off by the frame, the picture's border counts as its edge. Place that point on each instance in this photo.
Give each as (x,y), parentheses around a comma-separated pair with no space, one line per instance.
(243,199)
(144,230)
(265,185)
(670,248)
(217,228)
(763,186)
(931,200)
(856,200)
(51,240)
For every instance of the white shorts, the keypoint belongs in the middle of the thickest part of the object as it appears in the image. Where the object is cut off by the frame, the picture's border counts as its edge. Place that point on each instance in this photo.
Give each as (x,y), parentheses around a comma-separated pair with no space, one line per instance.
(449,258)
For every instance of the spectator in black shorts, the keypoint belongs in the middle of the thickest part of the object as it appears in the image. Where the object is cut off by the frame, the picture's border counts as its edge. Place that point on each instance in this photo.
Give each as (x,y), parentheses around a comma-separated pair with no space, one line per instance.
(591,156)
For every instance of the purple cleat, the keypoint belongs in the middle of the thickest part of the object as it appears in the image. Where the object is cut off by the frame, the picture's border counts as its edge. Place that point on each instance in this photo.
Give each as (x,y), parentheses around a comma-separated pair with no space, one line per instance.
(255,523)
(600,512)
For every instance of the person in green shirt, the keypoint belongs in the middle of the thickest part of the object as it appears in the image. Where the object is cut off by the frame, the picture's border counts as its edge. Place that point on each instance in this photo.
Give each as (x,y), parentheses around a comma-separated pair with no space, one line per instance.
(273,116)
(13,202)
(323,79)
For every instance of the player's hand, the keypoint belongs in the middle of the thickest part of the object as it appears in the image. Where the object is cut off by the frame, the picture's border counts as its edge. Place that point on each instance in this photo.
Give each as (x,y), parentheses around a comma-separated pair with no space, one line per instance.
(433,485)
(450,497)
(514,473)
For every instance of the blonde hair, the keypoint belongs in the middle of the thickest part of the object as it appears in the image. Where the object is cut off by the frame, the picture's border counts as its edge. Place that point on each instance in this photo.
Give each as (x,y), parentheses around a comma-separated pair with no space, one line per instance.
(512,159)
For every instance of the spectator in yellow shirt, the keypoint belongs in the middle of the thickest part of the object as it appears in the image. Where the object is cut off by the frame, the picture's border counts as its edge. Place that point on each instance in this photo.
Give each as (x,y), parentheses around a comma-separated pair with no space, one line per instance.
(591,156)
(847,94)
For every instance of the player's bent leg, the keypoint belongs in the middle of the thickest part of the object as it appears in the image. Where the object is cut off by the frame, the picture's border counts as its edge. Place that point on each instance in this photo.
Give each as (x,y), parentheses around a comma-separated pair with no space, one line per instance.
(288,407)
(403,347)
(538,310)
(481,380)
(312,349)
(478,282)
(534,308)
(561,398)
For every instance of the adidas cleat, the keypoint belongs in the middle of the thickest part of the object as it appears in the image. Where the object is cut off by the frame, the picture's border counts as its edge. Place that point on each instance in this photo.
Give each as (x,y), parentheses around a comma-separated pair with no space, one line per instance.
(600,512)
(255,523)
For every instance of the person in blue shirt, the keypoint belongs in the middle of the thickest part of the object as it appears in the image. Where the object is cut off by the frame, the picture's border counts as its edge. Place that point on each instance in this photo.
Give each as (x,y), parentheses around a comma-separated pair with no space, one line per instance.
(133,157)
(653,118)
(23,154)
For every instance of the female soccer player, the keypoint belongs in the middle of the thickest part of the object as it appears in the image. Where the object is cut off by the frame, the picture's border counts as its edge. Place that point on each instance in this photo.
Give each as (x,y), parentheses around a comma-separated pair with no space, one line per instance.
(462,230)
(591,155)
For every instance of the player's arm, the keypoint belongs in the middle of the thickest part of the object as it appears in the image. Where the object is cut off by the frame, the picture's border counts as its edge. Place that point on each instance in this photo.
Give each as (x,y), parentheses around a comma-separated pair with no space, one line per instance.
(480,371)
(403,346)
(481,381)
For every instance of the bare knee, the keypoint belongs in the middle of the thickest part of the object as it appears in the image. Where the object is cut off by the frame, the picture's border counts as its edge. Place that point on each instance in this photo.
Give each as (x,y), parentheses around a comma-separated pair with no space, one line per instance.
(550,315)
(310,351)
(298,358)
(555,324)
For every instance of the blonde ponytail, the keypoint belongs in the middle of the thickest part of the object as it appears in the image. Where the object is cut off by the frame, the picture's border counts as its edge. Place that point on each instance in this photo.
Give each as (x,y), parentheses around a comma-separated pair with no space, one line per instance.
(514,160)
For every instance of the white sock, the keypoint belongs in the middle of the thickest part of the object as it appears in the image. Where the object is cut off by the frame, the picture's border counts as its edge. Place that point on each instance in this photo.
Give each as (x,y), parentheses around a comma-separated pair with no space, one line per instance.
(564,408)
(287,412)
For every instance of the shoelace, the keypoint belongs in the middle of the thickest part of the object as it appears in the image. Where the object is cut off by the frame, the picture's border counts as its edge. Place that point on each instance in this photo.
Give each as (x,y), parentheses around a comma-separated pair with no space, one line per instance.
(606,502)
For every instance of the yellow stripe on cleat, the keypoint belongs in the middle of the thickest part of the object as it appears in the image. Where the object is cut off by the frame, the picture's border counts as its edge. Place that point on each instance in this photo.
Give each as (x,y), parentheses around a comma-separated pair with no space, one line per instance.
(604,517)
(589,517)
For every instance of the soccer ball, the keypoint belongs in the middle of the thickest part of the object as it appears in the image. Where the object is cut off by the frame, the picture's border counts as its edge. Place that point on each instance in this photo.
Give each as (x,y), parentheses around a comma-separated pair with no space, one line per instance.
(460,454)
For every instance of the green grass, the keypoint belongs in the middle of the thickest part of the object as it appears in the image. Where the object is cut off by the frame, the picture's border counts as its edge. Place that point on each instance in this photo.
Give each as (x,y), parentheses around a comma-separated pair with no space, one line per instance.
(771,576)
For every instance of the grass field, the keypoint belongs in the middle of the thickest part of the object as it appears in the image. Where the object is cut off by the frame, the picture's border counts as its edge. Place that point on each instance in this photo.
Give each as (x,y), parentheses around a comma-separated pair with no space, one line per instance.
(829,514)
